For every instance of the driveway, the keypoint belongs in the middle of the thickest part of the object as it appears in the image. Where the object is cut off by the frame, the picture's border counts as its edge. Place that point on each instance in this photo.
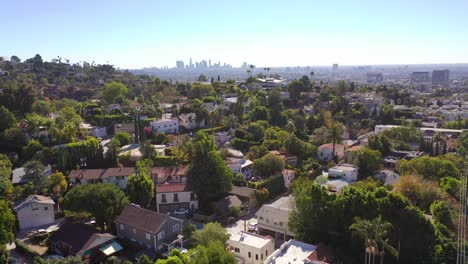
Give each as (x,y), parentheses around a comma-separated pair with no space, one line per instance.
(241,224)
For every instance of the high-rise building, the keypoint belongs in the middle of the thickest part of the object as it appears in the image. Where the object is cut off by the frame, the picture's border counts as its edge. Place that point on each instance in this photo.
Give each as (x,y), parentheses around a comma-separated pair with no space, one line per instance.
(209,63)
(440,77)
(191,64)
(374,77)
(420,76)
(180,65)
(335,67)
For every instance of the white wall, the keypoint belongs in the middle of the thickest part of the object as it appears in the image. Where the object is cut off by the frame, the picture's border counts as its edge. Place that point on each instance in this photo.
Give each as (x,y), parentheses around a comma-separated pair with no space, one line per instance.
(35,214)
(260,253)
(184,197)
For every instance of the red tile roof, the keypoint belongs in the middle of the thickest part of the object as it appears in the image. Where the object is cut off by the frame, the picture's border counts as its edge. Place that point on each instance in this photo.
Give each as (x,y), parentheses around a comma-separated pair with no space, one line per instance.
(91,174)
(171,187)
(114,172)
(165,172)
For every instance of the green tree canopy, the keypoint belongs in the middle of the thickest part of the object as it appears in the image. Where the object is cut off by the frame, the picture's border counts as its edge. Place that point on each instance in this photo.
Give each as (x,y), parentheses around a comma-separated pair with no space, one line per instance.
(368,161)
(207,175)
(7,223)
(104,201)
(7,119)
(212,232)
(213,253)
(140,187)
(268,165)
(113,91)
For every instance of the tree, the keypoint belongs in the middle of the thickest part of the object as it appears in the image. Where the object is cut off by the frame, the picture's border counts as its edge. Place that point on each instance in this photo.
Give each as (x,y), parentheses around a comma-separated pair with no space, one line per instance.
(295,88)
(7,223)
(140,187)
(147,150)
(368,161)
(36,172)
(7,119)
(113,91)
(123,137)
(30,150)
(212,232)
(421,193)
(375,233)
(207,174)
(202,78)
(268,165)
(437,139)
(66,260)
(145,260)
(58,186)
(434,168)
(175,257)
(113,152)
(213,253)
(104,201)
(441,212)
(336,134)
(25,98)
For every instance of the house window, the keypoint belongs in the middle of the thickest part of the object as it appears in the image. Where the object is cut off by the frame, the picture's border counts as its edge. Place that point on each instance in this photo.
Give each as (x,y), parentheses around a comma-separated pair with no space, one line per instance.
(237,250)
(262,256)
(192,196)
(256,256)
(281,223)
(148,236)
(163,198)
(266,252)
(268,220)
(46,208)
(160,235)
(250,255)
(35,209)
(261,217)
(176,197)
(134,231)
(121,227)
(175,228)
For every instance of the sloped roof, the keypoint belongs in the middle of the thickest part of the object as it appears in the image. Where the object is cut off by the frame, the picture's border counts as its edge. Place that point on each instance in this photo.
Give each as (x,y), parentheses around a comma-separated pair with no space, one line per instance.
(171,187)
(242,191)
(126,171)
(165,172)
(34,199)
(142,219)
(80,237)
(91,174)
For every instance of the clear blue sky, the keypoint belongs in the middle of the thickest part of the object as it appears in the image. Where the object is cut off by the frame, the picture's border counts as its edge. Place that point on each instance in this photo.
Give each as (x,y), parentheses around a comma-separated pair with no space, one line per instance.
(135,34)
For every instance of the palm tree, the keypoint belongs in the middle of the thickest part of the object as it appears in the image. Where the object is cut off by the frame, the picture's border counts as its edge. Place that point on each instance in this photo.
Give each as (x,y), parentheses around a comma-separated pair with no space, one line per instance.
(437,138)
(375,233)
(312,74)
(252,67)
(336,133)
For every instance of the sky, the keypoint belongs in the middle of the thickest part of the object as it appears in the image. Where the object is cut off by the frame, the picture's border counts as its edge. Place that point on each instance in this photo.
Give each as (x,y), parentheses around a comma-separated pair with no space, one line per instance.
(154,33)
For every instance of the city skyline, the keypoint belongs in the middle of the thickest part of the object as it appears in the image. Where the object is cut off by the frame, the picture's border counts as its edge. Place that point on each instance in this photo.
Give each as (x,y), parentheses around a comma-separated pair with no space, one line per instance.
(293,33)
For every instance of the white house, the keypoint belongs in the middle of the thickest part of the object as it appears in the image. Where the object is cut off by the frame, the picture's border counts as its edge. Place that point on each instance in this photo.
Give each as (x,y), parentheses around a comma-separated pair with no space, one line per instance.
(294,251)
(99,132)
(118,176)
(325,151)
(274,217)
(173,196)
(242,166)
(251,248)
(188,121)
(348,172)
(289,176)
(165,125)
(35,211)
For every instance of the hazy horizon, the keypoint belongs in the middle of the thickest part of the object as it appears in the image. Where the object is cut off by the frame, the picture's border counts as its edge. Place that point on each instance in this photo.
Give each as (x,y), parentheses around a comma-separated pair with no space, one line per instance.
(135,35)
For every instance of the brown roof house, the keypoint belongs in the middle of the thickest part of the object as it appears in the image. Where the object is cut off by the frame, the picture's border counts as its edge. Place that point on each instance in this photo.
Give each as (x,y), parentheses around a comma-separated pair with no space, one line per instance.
(117,176)
(86,176)
(171,174)
(173,196)
(245,194)
(77,239)
(151,229)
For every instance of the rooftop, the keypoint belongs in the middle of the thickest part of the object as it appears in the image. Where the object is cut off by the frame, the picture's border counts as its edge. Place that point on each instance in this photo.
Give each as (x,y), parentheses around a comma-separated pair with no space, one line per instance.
(344,167)
(252,240)
(143,219)
(171,187)
(291,252)
(283,203)
(34,199)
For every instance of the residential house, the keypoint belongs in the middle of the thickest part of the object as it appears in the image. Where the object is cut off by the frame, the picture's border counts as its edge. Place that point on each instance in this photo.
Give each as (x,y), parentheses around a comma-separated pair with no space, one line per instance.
(325,152)
(293,251)
(35,211)
(347,172)
(173,196)
(78,239)
(388,177)
(19,176)
(251,248)
(224,205)
(188,121)
(289,176)
(221,138)
(125,127)
(171,174)
(242,166)
(350,153)
(273,217)
(86,176)
(166,125)
(291,160)
(113,107)
(118,176)
(151,229)
(246,195)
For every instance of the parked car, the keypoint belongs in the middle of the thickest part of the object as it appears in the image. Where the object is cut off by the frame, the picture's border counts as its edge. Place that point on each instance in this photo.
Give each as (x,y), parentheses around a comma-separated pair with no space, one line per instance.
(181,211)
(252,226)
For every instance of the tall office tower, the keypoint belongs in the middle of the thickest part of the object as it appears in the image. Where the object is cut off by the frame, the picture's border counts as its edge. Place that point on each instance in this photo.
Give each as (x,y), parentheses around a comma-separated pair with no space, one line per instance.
(191,64)
(420,76)
(209,63)
(244,65)
(440,77)
(180,65)
(204,64)
(335,67)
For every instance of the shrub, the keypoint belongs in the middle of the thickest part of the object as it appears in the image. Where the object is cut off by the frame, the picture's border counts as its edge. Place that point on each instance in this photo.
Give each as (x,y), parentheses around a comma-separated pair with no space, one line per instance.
(450,185)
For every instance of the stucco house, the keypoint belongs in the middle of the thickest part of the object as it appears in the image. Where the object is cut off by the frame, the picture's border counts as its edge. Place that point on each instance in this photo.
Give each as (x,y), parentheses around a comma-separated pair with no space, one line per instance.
(347,172)
(273,217)
(188,121)
(325,152)
(151,229)
(173,196)
(35,211)
(165,125)
(251,248)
